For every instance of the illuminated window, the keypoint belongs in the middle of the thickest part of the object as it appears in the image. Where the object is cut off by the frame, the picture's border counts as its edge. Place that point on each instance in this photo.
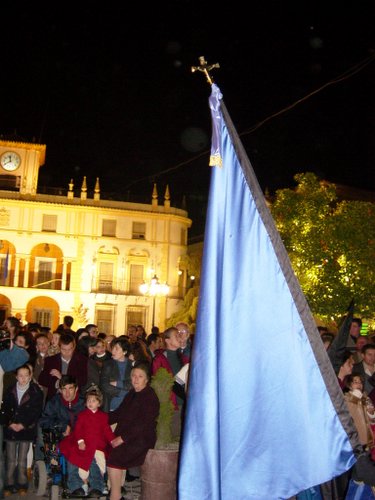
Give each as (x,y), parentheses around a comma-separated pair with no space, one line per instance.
(4,264)
(139,231)
(49,223)
(45,270)
(135,316)
(104,319)
(105,277)
(109,227)
(43,317)
(136,278)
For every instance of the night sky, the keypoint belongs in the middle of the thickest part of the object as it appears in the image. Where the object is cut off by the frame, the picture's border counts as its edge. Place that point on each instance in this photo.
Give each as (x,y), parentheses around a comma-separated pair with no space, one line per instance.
(112,95)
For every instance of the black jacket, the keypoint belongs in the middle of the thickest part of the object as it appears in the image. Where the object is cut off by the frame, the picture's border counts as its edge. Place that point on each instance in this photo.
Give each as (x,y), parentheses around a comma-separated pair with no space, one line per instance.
(26,413)
(58,413)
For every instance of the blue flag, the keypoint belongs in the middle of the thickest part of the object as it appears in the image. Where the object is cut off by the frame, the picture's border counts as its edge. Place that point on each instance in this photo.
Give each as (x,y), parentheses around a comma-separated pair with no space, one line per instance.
(265,416)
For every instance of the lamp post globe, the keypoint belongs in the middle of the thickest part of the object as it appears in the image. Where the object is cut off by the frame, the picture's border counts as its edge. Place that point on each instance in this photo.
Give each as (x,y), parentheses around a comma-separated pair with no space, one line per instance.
(154,289)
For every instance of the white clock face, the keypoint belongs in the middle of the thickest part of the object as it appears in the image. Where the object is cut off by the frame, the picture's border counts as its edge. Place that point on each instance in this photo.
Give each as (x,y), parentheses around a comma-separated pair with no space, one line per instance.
(10,161)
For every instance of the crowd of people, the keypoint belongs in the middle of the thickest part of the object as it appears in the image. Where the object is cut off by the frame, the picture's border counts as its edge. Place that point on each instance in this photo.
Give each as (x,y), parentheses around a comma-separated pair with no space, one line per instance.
(352,354)
(357,378)
(94,390)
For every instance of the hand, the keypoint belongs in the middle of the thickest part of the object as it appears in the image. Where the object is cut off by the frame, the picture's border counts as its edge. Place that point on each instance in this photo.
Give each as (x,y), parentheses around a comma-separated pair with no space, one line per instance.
(116,442)
(55,373)
(82,445)
(16,427)
(67,431)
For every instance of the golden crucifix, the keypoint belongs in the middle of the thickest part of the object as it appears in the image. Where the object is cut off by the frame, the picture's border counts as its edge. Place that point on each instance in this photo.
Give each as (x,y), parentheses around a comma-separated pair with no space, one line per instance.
(205,68)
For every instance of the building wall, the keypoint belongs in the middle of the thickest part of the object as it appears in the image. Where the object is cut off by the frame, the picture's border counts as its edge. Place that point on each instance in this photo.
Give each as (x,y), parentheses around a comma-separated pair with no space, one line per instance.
(74,268)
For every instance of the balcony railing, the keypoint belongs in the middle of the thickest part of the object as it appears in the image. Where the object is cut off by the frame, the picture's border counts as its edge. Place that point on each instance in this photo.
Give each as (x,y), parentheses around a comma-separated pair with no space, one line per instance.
(116,287)
(106,286)
(122,287)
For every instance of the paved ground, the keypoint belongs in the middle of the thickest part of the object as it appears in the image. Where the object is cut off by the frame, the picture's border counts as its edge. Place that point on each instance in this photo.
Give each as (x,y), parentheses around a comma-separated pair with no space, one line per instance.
(132,491)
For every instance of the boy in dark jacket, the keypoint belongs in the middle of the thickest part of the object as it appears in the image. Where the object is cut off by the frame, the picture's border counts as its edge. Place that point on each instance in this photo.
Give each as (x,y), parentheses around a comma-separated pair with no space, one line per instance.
(23,403)
(11,357)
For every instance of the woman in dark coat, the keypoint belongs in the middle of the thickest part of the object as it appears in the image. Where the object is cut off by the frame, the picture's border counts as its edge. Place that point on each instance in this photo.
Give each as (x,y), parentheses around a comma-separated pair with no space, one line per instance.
(135,430)
(115,381)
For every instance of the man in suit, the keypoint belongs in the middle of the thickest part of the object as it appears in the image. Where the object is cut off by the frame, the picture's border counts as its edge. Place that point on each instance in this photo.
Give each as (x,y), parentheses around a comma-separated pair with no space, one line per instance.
(366,368)
(42,344)
(184,335)
(154,342)
(67,362)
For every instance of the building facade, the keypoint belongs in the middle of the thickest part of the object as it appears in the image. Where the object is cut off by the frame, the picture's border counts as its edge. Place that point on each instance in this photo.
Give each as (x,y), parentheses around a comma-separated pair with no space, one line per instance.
(86,257)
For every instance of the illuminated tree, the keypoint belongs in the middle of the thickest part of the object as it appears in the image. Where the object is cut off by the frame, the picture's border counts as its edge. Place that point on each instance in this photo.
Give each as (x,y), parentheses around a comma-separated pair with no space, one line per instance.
(80,315)
(188,311)
(331,245)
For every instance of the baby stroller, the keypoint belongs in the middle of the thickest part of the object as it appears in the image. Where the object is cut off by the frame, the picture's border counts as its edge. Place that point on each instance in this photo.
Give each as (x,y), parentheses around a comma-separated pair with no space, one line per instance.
(50,474)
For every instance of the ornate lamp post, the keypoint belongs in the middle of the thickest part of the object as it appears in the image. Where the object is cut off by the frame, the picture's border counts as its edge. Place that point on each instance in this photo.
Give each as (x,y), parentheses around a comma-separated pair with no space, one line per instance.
(154,289)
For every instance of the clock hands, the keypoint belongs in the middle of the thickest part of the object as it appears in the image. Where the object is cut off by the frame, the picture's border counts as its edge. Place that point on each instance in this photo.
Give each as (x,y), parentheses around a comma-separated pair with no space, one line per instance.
(10,160)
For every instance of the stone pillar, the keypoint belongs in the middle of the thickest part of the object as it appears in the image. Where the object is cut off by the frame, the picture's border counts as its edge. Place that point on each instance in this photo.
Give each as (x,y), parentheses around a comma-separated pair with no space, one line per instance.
(27,270)
(64,271)
(16,271)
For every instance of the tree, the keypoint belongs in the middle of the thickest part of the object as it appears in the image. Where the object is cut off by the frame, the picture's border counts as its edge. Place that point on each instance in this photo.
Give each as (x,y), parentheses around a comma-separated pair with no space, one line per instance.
(191,263)
(331,245)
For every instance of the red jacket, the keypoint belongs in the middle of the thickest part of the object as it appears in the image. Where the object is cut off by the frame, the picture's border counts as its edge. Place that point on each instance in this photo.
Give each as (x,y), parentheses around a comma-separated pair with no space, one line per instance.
(95,430)
(161,361)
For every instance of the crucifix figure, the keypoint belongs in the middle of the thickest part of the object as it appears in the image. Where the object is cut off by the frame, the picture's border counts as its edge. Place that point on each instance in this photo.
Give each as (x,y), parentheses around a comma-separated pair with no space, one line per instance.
(205,68)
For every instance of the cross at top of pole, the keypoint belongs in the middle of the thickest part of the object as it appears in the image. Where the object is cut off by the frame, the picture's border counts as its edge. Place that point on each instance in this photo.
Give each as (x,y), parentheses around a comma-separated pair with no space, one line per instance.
(205,68)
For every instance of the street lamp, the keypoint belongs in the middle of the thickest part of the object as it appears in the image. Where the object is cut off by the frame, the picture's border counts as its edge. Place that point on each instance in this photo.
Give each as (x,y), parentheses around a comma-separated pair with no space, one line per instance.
(154,289)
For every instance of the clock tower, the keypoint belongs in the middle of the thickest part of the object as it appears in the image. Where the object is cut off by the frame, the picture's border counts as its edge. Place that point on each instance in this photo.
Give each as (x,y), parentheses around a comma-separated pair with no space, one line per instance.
(19,166)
